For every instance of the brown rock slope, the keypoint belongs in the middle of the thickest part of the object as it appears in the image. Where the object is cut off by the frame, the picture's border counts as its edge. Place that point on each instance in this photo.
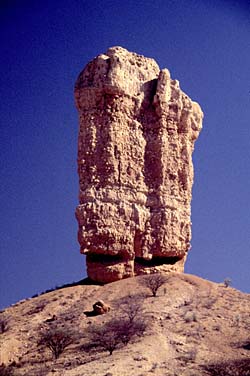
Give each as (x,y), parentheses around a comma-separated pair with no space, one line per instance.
(136,138)
(191,323)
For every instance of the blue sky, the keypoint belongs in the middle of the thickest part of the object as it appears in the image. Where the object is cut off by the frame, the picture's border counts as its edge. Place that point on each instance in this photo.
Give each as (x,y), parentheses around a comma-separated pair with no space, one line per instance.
(44,46)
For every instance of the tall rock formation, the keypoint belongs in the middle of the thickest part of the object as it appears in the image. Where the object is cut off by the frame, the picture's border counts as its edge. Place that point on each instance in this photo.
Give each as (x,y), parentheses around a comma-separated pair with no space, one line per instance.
(136,138)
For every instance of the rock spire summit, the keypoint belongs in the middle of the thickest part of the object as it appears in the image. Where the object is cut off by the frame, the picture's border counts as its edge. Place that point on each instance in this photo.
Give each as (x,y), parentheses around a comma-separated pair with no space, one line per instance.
(136,138)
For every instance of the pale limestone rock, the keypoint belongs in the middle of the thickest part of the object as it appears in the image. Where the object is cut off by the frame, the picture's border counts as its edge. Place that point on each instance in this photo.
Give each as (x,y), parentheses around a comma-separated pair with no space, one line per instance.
(136,138)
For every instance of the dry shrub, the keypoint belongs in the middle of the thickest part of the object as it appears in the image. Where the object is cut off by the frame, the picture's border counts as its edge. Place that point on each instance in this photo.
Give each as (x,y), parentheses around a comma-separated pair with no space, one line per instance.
(114,334)
(130,307)
(127,330)
(3,324)
(56,339)
(227,282)
(246,345)
(103,337)
(190,316)
(6,370)
(240,367)
(189,356)
(37,308)
(153,282)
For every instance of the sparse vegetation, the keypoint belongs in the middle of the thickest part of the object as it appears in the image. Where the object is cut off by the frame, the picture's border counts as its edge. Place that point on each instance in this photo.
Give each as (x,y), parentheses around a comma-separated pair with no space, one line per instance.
(227,282)
(246,345)
(217,327)
(132,316)
(153,368)
(189,356)
(37,308)
(190,316)
(115,334)
(104,337)
(188,302)
(237,320)
(127,329)
(3,324)
(209,302)
(153,282)
(130,307)
(239,367)
(56,340)
(6,370)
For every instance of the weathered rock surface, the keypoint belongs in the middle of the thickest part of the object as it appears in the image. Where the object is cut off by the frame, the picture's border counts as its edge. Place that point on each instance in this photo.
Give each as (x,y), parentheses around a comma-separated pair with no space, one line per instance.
(136,138)
(99,308)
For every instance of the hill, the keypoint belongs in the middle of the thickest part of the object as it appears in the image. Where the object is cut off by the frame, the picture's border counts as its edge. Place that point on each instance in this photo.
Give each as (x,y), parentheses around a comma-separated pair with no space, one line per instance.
(191,325)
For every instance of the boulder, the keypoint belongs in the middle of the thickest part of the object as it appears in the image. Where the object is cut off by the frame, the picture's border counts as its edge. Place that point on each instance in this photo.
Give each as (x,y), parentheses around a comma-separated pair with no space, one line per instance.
(99,308)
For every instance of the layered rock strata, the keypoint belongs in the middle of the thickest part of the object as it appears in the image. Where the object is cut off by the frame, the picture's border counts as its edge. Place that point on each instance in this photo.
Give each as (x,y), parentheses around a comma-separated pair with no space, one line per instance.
(136,138)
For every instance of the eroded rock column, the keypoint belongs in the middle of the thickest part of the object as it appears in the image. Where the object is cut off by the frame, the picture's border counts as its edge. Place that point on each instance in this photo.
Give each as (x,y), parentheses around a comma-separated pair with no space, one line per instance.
(136,138)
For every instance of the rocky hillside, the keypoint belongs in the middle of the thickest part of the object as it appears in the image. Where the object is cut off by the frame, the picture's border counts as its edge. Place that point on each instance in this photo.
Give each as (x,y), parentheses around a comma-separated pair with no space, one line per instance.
(189,327)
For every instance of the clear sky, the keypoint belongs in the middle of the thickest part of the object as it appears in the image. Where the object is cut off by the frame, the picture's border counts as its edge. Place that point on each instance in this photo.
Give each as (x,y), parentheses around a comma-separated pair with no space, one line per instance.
(44,46)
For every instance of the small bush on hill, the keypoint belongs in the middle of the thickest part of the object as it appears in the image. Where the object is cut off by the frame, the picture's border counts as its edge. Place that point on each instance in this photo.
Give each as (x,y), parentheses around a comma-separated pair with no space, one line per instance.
(130,307)
(56,340)
(153,282)
(104,337)
(37,308)
(246,345)
(114,334)
(240,367)
(190,316)
(3,324)
(6,370)
(227,282)
(127,330)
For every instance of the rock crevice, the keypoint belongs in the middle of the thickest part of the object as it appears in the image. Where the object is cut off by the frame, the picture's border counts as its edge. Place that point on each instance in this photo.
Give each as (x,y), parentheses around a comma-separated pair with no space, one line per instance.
(136,138)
